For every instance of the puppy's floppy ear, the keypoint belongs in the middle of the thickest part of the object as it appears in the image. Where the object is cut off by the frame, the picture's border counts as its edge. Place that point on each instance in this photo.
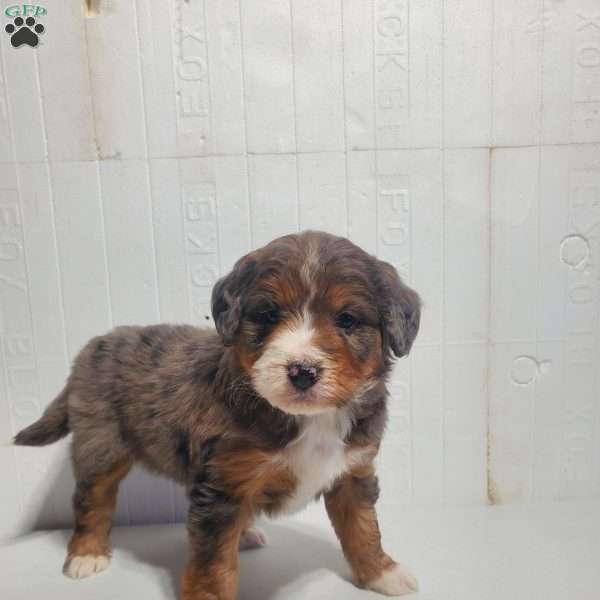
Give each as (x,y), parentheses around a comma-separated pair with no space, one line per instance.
(227,298)
(400,309)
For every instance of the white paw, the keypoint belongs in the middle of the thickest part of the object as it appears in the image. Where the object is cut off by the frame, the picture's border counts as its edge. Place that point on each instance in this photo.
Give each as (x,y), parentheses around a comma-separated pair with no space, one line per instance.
(78,567)
(253,537)
(394,582)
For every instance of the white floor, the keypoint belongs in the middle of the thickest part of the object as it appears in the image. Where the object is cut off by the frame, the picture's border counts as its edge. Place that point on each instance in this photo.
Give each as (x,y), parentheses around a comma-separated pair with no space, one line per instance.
(484,553)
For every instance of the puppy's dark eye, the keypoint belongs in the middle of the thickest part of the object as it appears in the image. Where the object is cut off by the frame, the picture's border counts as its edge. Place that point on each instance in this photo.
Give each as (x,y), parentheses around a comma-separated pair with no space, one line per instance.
(346,321)
(267,316)
(271,316)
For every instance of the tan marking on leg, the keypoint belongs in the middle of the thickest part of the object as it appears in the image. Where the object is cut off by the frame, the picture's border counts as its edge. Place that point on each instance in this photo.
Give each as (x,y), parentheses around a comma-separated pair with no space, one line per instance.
(355,522)
(94,506)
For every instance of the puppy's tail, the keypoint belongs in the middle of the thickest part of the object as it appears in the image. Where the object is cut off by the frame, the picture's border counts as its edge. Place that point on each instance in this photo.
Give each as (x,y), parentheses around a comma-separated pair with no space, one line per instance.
(51,427)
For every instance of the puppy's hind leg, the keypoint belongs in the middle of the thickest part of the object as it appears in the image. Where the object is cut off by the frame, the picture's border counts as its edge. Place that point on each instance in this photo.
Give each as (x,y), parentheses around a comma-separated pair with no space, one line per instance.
(94,503)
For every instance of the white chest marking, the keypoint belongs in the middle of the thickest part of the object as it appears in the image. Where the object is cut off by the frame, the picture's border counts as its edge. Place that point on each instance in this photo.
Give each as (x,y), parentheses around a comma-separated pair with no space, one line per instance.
(317,457)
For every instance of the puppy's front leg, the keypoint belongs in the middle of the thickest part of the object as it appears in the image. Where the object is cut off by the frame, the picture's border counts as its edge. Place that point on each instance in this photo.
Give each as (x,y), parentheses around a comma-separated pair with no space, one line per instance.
(215,524)
(351,508)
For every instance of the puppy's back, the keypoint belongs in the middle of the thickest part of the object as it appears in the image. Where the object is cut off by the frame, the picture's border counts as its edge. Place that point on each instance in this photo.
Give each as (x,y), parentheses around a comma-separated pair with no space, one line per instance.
(132,379)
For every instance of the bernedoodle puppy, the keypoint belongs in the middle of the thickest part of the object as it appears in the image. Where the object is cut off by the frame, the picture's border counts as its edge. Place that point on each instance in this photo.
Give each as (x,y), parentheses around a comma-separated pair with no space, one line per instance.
(284,403)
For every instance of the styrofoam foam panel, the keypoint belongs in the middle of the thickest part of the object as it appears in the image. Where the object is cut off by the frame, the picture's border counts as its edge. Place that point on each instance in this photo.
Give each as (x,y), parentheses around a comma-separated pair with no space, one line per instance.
(5,129)
(467,72)
(317,54)
(116,82)
(544,362)
(269,100)
(22,105)
(64,81)
(146,148)
(517,75)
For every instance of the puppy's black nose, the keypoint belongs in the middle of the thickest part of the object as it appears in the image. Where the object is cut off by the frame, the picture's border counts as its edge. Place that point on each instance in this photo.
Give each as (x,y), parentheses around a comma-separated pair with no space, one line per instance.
(302,375)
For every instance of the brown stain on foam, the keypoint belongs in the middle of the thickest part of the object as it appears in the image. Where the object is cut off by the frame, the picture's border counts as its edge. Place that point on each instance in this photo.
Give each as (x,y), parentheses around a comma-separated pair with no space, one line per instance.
(492,488)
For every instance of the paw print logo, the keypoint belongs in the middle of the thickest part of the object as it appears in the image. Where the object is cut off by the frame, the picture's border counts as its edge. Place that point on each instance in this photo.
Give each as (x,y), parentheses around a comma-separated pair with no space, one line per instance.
(24,32)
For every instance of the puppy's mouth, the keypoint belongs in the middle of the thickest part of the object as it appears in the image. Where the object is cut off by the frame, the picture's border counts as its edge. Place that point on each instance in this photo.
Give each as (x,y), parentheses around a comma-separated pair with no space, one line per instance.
(309,402)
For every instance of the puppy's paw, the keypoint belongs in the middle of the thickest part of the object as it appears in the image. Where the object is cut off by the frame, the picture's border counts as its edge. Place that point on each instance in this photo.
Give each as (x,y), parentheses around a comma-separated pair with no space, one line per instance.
(253,537)
(79,567)
(396,581)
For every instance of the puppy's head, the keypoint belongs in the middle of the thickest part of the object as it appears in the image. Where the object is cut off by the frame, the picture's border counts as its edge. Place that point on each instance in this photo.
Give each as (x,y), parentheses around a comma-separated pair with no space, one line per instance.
(314,320)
